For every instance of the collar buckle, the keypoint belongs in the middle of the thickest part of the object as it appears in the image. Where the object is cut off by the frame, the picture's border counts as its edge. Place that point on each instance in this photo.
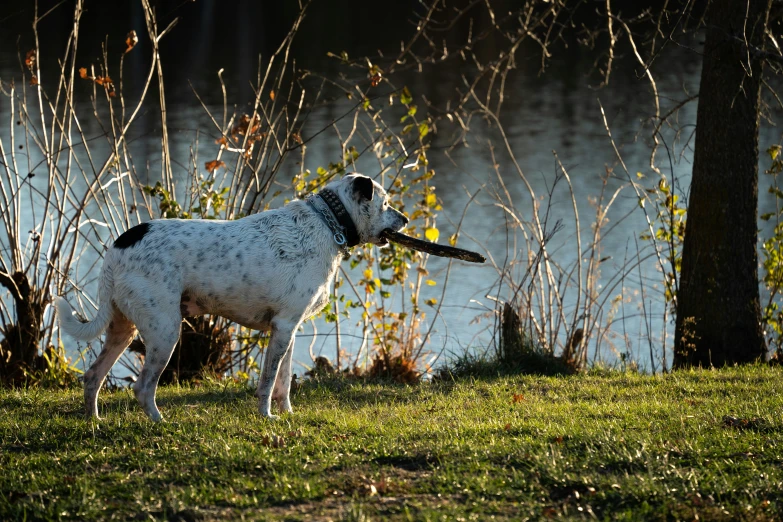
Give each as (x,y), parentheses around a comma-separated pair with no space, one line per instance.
(327,213)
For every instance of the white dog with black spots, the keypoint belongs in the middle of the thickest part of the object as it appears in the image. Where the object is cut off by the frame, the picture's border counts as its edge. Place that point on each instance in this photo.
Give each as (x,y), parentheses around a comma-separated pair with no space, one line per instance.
(268,271)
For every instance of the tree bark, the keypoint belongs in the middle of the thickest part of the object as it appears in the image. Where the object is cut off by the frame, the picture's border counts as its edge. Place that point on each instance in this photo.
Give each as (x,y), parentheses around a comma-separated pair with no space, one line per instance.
(718,309)
(19,347)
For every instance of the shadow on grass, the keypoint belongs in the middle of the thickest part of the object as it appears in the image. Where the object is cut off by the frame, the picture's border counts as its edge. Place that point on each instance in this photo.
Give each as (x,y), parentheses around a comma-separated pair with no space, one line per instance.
(212,395)
(415,462)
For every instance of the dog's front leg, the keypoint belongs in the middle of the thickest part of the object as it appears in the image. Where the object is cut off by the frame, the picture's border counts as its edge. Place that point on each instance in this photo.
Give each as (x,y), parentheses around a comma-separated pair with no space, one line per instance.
(282,389)
(282,336)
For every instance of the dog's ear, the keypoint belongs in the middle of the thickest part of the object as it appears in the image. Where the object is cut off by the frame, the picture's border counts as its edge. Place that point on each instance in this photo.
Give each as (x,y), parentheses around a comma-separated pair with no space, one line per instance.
(362,188)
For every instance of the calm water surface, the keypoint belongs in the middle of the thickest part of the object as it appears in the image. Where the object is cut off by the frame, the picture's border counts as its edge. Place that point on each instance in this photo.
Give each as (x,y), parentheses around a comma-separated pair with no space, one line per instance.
(555,111)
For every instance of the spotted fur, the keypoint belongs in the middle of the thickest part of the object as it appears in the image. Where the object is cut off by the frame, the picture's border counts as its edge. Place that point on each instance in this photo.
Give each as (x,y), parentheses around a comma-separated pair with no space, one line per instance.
(269,271)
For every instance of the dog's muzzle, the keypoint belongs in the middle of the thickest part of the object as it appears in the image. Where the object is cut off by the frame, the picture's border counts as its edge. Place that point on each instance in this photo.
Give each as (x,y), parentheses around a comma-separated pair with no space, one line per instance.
(401,219)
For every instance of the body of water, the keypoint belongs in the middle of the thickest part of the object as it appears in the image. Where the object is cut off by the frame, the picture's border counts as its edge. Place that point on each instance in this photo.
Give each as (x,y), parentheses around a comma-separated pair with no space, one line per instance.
(558,110)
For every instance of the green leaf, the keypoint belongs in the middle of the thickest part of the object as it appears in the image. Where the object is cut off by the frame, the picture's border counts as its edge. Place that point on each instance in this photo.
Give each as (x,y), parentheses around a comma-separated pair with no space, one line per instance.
(405,96)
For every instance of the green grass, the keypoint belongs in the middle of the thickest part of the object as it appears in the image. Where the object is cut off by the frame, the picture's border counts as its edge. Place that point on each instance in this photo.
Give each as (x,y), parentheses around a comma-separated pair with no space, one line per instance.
(614,446)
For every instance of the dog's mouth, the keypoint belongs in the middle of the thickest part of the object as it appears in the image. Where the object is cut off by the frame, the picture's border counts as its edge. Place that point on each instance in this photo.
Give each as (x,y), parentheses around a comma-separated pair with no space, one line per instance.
(388,234)
(383,238)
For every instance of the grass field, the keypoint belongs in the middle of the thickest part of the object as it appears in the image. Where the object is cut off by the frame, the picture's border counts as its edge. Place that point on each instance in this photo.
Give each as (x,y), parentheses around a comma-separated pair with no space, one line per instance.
(706,444)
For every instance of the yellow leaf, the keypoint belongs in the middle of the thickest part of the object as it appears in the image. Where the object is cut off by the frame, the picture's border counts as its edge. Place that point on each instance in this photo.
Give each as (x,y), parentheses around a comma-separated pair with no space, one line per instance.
(405,96)
(430,200)
(368,274)
(430,282)
(431,302)
(432,234)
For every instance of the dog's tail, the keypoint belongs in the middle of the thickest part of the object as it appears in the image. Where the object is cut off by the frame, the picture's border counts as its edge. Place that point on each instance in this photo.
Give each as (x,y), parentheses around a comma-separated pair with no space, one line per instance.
(84,331)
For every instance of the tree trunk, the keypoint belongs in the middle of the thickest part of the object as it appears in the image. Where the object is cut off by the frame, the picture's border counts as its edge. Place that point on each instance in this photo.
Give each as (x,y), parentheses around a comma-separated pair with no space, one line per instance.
(718,310)
(19,347)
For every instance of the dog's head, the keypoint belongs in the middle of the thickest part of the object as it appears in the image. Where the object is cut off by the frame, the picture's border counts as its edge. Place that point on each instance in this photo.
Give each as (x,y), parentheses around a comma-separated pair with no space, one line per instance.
(368,205)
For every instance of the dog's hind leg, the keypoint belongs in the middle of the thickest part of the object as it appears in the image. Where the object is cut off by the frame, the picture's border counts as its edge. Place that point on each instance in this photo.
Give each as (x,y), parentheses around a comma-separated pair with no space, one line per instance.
(118,336)
(282,389)
(160,336)
(282,337)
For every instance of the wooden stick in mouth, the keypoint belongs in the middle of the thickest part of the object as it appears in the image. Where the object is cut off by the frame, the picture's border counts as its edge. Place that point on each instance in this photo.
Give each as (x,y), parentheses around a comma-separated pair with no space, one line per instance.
(431,248)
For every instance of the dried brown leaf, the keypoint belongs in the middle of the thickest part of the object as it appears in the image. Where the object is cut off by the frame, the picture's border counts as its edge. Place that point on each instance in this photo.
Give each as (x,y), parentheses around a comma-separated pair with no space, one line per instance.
(273,441)
(245,126)
(131,40)
(103,81)
(31,59)
(213,165)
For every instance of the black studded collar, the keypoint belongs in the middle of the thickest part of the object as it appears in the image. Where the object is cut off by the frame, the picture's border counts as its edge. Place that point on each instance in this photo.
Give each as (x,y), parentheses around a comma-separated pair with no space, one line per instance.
(332,200)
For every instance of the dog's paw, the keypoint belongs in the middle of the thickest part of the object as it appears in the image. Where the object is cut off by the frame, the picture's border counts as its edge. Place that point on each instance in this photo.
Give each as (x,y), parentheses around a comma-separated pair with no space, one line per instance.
(266,412)
(283,404)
